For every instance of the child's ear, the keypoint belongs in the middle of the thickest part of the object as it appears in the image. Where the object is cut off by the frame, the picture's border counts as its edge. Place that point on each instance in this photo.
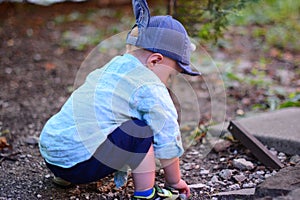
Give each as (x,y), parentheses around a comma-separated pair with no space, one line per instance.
(153,59)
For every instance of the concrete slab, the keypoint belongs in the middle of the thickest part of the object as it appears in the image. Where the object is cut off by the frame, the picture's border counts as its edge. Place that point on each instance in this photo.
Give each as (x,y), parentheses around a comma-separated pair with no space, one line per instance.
(282,183)
(279,129)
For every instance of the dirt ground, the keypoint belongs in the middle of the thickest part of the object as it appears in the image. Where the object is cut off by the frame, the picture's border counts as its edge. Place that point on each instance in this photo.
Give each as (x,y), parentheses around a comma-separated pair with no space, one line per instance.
(36,74)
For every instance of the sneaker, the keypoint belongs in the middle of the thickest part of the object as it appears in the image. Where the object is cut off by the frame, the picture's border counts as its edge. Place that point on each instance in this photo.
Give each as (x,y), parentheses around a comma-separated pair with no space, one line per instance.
(61,182)
(161,193)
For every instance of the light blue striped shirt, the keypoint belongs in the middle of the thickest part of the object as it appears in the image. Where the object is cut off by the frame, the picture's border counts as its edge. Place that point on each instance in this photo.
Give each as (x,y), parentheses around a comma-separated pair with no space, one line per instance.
(121,90)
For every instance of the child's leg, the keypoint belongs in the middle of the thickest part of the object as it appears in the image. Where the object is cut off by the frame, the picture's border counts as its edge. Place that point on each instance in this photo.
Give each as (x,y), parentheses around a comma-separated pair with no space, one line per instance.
(127,145)
(144,174)
(144,181)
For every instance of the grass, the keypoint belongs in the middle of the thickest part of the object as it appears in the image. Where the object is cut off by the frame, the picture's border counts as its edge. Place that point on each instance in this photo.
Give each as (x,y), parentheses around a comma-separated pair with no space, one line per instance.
(276,21)
(274,26)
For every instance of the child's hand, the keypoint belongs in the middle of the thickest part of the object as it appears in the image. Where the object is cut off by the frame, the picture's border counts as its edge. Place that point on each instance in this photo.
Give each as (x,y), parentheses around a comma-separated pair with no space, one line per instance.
(181,186)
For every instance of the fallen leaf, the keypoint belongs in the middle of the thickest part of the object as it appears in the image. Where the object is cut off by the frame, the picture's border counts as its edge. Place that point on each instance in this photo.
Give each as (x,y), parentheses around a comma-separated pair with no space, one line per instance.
(274,52)
(288,56)
(50,66)
(3,143)
(10,43)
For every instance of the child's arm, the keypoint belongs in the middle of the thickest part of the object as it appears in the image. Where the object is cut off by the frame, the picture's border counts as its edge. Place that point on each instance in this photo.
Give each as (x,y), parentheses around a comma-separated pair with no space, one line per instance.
(173,176)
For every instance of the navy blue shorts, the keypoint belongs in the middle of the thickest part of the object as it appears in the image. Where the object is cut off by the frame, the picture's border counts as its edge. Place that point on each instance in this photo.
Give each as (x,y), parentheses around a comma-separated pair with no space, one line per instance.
(127,145)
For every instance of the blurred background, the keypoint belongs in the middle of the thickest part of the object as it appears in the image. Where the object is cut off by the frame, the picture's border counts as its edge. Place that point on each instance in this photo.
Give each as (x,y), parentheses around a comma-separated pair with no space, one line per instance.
(247,50)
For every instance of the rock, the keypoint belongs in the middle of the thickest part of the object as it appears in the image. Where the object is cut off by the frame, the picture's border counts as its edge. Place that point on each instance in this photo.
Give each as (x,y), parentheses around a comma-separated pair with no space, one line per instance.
(204,171)
(249,185)
(47,176)
(260,172)
(295,159)
(240,178)
(32,140)
(37,57)
(188,166)
(221,145)
(182,197)
(267,176)
(225,174)
(243,164)
(281,156)
(283,182)
(214,179)
(198,185)
(234,187)
(273,151)
(295,194)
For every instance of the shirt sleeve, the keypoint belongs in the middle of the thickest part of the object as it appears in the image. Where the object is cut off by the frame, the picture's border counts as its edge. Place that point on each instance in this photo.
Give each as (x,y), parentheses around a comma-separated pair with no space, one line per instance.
(154,104)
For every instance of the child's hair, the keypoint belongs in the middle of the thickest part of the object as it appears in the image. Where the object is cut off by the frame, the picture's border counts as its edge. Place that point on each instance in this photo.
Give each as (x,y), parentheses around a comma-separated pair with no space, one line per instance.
(134,49)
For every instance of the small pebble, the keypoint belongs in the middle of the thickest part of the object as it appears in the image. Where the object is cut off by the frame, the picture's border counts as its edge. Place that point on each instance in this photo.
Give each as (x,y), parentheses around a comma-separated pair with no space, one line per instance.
(295,159)
(225,174)
(234,187)
(249,185)
(243,164)
(214,179)
(204,171)
(240,178)
(47,176)
(260,172)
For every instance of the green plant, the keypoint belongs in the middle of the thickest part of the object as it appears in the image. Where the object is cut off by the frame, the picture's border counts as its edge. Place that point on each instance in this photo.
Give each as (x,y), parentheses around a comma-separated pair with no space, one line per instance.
(276,21)
(292,101)
(256,77)
(207,19)
(80,41)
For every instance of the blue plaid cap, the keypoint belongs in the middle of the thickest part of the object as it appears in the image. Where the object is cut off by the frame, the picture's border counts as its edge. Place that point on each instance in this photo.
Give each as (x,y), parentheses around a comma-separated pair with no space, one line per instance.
(167,36)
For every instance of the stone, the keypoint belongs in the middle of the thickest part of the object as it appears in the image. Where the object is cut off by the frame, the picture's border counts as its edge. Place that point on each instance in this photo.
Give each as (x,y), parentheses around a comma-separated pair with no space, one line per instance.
(214,179)
(295,194)
(225,174)
(239,177)
(234,187)
(198,185)
(242,164)
(249,185)
(32,140)
(281,156)
(188,166)
(47,176)
(204,171)
(283,182)
(260,172)
(295,159)
(221,145)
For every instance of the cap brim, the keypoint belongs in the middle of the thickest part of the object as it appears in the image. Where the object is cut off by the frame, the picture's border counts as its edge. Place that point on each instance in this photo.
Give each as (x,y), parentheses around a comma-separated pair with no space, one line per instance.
(187,70)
